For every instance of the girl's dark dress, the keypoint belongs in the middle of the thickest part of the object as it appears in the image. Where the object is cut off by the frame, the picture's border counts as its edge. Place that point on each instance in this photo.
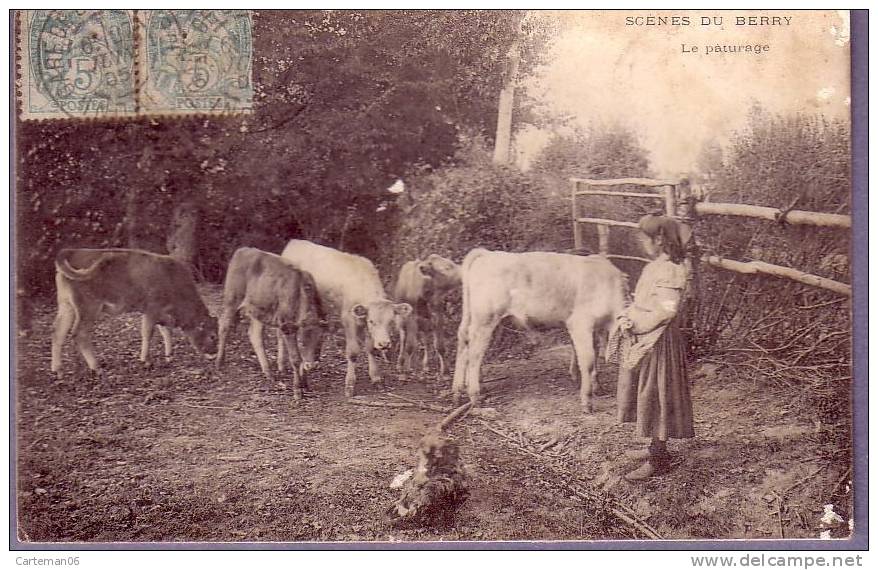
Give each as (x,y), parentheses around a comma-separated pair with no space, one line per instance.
(656,393)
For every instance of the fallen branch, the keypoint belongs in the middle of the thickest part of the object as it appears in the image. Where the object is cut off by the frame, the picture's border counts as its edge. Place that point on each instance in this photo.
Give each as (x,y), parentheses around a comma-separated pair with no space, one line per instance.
(420,404)
(378,404)
(460,412)
(190,405)
(779,513)
(266,438)
(618,509)
(802,480)
(840,481)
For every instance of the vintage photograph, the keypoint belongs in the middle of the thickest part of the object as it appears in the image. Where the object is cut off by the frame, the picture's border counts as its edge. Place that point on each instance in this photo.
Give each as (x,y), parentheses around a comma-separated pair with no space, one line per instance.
(392,276)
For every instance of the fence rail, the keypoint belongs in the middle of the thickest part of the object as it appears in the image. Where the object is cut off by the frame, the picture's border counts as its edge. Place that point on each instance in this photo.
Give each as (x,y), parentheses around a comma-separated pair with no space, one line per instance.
(765,213)
(754,267)
(648,182)
(669,195)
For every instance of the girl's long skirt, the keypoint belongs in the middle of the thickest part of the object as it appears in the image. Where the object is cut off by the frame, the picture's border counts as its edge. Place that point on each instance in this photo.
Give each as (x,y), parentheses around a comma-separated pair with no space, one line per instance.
(656,393)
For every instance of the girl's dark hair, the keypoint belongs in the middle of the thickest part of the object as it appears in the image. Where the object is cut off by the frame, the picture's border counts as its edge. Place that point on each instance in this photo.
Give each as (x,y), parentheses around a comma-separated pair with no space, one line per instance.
(670,231)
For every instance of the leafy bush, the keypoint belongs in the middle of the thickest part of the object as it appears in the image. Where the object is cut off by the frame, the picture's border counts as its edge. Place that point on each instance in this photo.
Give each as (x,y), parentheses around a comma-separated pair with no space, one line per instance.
(766,326)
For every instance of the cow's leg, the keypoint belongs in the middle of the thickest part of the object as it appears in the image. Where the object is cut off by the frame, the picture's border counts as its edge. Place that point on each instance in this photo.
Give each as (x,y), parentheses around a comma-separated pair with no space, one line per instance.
(288,341)
(281,358)
(425,359)
(225,325)
(352,350)
(582,332)
(403,344)
(82,338)
(166,340)
(408,343)
(374,368)
(575,376)
(147,325)
(63,323)
(458,383)
(256,340)
(478,343)
(439,349)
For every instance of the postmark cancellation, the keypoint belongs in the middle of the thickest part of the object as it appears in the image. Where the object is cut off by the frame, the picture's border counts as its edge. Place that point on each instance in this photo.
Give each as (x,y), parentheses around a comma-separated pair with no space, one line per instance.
(125,63)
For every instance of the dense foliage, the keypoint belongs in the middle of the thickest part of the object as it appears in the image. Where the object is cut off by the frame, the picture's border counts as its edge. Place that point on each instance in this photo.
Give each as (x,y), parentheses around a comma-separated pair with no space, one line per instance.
(345,103)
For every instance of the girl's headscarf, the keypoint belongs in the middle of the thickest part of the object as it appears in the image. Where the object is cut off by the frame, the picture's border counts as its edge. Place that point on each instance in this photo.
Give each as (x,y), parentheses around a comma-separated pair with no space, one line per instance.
(675,235)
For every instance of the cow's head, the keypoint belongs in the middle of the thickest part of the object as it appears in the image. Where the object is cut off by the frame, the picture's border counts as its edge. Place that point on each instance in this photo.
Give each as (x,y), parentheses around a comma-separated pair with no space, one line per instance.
(378,316)
(203,335)
(444,272)
(310,343)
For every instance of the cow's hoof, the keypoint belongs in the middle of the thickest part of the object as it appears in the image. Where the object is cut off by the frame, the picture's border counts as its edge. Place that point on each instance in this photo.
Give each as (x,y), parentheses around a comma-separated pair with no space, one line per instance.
(455,399)
(348,392)
(587,408)
(297,394)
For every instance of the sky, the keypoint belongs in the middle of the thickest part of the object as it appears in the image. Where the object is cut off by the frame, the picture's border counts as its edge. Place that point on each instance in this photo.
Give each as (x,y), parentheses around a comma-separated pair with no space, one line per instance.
(606,71)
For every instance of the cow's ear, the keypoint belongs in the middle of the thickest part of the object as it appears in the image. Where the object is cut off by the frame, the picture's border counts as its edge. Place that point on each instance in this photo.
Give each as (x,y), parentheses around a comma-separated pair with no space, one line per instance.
(359,311)
(402,309)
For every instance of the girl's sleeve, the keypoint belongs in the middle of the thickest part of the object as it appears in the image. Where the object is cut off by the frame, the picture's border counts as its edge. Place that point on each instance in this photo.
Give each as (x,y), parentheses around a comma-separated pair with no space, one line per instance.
(664,301)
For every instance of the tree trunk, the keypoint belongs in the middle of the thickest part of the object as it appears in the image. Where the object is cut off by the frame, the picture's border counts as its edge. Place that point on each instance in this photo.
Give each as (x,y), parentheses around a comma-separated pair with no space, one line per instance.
(182,243)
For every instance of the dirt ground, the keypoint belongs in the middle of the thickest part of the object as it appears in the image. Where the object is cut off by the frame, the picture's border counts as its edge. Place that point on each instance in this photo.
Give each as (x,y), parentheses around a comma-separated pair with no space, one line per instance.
(179,452)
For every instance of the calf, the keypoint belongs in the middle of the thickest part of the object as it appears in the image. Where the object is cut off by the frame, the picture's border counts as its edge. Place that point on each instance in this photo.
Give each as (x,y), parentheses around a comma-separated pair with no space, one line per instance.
(536,288)
(92,282)
(424,285)
(271,291)
(351,286)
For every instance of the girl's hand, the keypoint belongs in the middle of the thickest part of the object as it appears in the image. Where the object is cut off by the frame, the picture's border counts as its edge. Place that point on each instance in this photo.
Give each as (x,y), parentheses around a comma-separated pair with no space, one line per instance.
(625,323)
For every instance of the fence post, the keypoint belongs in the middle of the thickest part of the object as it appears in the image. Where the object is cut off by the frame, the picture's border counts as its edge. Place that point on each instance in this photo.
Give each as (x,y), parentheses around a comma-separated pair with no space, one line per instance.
(671,200)
(603,239)
(577,228)
(693,287)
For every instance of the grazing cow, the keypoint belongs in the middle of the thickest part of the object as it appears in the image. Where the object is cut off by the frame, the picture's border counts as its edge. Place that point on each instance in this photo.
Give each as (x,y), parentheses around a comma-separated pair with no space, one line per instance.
(91,282)
(537,288)
(424,285)
(350,284)
(271,291)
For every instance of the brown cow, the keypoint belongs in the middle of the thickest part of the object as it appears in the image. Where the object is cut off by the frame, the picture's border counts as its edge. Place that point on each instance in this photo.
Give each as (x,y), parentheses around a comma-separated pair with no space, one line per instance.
(583,294)
(351,286)
(424,285)
(91,282)
(271,291)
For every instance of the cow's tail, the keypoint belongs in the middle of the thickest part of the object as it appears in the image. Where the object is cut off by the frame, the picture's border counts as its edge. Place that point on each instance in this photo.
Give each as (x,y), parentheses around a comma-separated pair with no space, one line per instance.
(62,265)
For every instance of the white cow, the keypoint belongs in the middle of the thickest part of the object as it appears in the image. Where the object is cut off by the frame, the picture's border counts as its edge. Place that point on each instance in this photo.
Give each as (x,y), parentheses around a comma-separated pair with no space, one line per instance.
(350,285)
(537,288)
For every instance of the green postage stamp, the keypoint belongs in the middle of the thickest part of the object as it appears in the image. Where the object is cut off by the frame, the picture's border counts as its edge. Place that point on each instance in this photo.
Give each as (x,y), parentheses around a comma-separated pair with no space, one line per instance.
(126,63)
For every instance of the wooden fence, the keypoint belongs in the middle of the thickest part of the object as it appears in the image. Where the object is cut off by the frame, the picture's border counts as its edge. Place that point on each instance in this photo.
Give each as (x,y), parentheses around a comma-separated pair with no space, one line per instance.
(667,192)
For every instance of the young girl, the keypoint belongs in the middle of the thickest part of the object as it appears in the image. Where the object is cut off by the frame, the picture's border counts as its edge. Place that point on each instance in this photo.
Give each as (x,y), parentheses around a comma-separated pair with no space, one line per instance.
(653,387)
